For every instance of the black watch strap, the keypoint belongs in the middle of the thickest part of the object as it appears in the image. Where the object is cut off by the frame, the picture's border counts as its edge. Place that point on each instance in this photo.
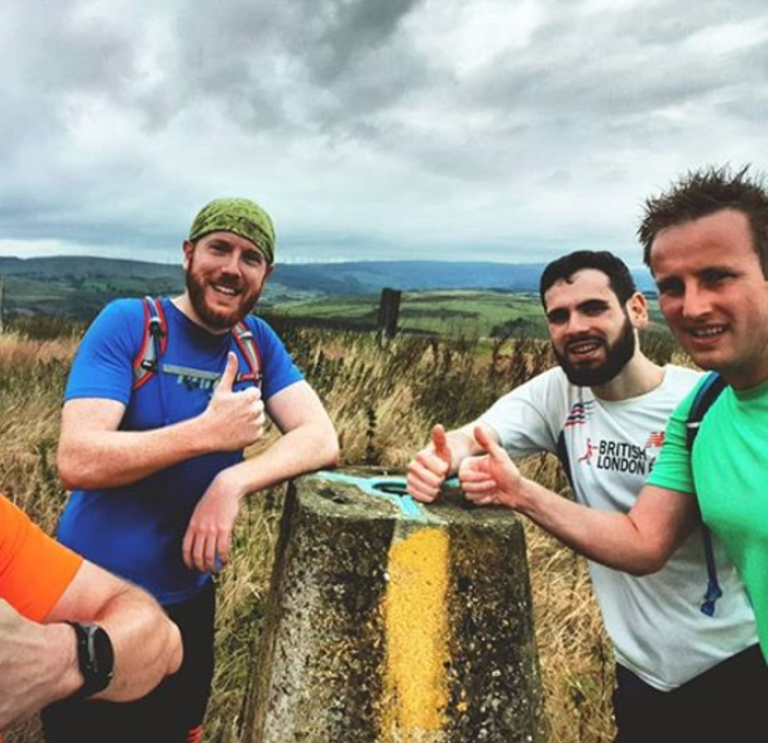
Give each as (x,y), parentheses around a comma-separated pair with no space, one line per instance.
(95,657)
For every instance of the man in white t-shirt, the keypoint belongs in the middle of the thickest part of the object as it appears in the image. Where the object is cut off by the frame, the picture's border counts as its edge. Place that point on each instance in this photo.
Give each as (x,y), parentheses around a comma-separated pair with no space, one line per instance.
(687,660)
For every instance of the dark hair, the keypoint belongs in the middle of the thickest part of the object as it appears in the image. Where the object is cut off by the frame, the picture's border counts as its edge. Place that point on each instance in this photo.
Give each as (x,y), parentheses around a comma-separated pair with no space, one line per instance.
(702,192)
(619,278)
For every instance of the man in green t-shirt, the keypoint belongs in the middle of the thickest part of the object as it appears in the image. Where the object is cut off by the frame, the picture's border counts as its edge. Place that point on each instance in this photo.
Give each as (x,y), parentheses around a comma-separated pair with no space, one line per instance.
(706,243)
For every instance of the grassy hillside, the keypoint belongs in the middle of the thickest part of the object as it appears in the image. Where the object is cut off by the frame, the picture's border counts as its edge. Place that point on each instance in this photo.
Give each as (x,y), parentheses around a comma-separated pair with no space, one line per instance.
(457,313)
(77,287)
(383,402)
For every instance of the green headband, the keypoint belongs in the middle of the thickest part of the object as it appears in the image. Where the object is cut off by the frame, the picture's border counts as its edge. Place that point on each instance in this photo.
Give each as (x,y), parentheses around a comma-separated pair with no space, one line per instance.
(240,216)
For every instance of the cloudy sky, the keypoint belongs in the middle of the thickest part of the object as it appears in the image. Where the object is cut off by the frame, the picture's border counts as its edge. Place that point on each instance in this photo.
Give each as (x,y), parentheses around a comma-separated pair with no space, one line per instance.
(509,130)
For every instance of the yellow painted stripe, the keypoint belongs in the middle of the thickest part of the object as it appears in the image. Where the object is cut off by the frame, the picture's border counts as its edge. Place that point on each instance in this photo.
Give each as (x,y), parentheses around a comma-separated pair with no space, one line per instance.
(416,626)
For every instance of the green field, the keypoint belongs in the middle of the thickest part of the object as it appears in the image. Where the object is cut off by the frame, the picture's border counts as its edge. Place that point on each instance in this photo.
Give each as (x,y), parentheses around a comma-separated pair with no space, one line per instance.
(454,313)
(78,289)
(77,297)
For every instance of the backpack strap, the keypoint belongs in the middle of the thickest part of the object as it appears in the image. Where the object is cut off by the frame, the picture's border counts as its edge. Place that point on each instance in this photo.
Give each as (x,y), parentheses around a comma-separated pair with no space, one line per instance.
(153,344)
(247,345)
(714,592)
(155,339)
(708,392)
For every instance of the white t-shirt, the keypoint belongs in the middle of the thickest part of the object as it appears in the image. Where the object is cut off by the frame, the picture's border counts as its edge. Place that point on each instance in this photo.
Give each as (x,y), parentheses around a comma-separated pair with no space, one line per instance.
(608,448)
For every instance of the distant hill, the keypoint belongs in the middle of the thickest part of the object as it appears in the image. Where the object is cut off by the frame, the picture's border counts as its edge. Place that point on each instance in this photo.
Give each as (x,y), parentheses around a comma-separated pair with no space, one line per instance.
(78,286)
(84,266)
(366,277)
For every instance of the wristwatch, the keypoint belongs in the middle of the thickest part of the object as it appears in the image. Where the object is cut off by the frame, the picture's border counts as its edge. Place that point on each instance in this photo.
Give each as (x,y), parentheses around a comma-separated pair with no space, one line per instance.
(95,657)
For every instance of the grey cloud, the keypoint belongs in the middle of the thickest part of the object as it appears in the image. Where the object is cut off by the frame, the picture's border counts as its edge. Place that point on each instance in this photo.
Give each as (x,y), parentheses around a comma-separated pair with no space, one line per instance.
(582,88)
(570,77)
(340,87)
(52,57)
(354,29)
(64,52)
(302,67)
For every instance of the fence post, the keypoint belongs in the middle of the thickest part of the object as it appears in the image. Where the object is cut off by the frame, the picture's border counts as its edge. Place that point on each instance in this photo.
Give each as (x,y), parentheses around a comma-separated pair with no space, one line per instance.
(389,309)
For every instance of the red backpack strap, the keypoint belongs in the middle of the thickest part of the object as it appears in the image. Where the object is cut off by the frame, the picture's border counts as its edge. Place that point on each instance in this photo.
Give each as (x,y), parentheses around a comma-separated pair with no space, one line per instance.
(247,345)
(153,343)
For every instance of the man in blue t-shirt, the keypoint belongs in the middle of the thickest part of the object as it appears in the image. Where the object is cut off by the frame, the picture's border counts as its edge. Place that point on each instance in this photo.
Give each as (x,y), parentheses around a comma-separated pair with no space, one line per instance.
(155,461)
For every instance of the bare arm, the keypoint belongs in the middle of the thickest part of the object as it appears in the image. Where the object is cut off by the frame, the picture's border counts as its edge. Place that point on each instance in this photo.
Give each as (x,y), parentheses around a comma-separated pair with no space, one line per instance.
(93,453)
(439,460)
(639,542)
(38,665)
(147,644)
(309,443)
(38,662)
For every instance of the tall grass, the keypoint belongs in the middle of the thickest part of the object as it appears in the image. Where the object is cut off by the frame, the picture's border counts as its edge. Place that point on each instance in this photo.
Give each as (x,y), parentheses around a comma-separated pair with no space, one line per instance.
(383,402)
(32,378)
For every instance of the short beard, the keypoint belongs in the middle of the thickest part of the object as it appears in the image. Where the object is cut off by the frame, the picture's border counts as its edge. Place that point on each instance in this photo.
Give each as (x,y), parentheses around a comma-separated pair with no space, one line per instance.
(617,357)
(215,320)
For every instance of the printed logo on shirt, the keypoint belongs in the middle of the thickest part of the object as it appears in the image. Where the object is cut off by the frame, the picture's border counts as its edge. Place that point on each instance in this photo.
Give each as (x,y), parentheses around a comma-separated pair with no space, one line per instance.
(620,456)
(655,440)
(587,457)
(199,379)
(579,413)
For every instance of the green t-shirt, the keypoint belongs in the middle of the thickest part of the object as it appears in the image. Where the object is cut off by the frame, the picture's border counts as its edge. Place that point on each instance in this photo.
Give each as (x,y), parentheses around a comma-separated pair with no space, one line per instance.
(728,472)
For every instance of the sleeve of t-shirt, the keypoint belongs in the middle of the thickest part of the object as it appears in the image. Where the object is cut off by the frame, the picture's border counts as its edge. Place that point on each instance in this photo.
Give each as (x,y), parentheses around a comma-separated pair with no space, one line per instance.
(528,418)
(103,364)
(278,371)
(672,469)
(35,570)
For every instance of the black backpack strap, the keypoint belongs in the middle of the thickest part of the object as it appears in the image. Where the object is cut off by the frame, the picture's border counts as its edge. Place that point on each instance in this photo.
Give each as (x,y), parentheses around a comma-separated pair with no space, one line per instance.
(708,392)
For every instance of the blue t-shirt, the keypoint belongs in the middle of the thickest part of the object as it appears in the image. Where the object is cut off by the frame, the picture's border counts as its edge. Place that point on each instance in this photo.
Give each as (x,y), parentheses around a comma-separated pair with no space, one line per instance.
(136,531)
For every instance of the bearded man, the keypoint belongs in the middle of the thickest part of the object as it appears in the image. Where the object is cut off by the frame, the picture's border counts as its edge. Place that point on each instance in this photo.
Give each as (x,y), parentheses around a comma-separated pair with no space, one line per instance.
(679,650)
(154,452)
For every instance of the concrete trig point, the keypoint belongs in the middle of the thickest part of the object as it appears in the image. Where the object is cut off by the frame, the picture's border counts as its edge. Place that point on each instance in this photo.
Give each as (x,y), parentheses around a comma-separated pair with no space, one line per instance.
(392,623)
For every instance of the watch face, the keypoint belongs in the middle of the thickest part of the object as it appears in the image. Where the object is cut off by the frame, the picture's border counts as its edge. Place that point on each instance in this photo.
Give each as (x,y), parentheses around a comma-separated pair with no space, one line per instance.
(101,652)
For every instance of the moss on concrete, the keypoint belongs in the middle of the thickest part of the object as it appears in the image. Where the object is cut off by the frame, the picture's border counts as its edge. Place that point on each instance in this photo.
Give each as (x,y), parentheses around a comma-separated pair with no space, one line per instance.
(384,629)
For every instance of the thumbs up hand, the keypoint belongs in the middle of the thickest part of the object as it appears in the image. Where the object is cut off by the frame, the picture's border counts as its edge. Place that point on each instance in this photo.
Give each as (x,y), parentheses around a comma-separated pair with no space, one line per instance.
(440,444)
(234,419)
(428,470)
(491,478)
(227,380)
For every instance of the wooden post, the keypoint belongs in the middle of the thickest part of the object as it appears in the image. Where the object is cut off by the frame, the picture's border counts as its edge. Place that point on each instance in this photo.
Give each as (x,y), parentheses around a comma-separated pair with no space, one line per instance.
(389,309)
(2,304)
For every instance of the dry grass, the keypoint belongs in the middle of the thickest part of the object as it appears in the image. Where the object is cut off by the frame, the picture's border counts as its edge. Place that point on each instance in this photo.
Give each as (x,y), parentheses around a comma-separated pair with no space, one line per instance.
(32,378)
(383,403)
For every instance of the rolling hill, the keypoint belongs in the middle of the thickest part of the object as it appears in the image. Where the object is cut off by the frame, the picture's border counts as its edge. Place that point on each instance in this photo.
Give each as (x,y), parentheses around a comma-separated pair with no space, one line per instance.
(77,287)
